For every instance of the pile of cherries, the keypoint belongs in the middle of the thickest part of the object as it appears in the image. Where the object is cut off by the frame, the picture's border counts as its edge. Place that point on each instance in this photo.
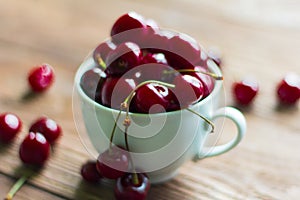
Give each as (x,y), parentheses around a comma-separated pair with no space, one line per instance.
(134,63)
(35,148)
(114,164)
(139,51)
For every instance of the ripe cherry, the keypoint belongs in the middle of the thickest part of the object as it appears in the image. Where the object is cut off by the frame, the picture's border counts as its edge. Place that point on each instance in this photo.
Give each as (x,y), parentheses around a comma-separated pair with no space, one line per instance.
(130,27)
(152,71)
(152,98)
(48,127)
(41,77)
(158,58)
(102,50)
(89,172)
(288,90)
(34,149)
(157,41)
(127,189)
(114,90)
(188,89)
(10,126)
(128,21)
(245,91)
(184,51)
(125,57)
(207,80)
(90,81)
(113,163)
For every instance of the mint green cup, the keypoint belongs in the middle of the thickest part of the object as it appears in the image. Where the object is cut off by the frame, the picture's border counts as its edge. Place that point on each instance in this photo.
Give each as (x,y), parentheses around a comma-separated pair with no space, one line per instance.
(159,143)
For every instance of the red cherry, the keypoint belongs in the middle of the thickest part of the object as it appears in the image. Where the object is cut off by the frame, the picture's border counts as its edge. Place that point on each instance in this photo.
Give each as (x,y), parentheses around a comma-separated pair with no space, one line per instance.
(48,127)
(10,126)
(245,91)
(128,21)
(207,81)
(102,50)
(89,172)
(125,57)
(34,149)
(157,41)
(90,81)
(153,58)
(114,90)
(188,89)
(126,189)
(184,51)
(152,71)
(130,27)
(113,163)
(41,77)
(152,98)
(288,90)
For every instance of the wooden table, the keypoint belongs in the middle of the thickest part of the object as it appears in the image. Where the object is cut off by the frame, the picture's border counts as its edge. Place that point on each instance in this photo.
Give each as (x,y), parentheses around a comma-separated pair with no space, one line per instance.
(260,38)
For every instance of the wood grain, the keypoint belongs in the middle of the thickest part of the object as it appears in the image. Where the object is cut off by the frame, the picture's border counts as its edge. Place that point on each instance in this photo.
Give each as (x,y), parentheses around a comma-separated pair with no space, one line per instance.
(258,38)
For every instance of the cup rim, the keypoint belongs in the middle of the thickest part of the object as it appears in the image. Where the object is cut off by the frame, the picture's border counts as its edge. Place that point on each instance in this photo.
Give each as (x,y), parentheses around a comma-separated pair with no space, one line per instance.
(89,62)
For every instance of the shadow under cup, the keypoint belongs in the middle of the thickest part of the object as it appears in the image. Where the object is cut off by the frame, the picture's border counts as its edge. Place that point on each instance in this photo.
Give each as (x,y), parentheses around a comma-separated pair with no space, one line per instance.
(159,143)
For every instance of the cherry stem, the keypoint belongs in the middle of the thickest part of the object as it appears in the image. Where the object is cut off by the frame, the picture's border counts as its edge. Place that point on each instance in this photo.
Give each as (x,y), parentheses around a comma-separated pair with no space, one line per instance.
(16,187)
(126,122)
(114,129)
(101,63)
(204,118)
(215,76)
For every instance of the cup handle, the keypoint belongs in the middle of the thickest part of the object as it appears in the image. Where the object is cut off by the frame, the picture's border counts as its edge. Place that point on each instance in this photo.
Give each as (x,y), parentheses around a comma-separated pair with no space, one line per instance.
(238,118)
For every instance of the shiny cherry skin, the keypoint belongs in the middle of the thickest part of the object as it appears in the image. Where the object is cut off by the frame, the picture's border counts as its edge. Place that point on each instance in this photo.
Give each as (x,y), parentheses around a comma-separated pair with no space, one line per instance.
(157,41)
(113,163)
(158,58)
(102,50)
(188,89)
(288,90)
(10,126)
(128,21)
(130,27)
(152,98)
(41,77)
(34,149)
(48,127)
(152,71)
(245,91)
(125,57)
(184,51)
(207,81)
(126,189)
(89,172)
(114,90)
(90,81)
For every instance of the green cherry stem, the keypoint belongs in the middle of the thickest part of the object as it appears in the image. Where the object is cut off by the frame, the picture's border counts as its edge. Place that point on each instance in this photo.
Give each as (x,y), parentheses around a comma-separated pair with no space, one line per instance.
(16,187)
(127,121)
(101,63)
(215,76)
(205,119)
(114,129)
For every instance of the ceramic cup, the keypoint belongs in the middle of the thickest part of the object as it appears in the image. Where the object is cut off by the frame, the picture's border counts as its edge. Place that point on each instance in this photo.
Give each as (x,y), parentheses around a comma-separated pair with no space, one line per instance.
(159,143)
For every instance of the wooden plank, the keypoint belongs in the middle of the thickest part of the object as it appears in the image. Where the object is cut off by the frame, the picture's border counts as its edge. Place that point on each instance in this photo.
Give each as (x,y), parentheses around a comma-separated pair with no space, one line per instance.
(27,192)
